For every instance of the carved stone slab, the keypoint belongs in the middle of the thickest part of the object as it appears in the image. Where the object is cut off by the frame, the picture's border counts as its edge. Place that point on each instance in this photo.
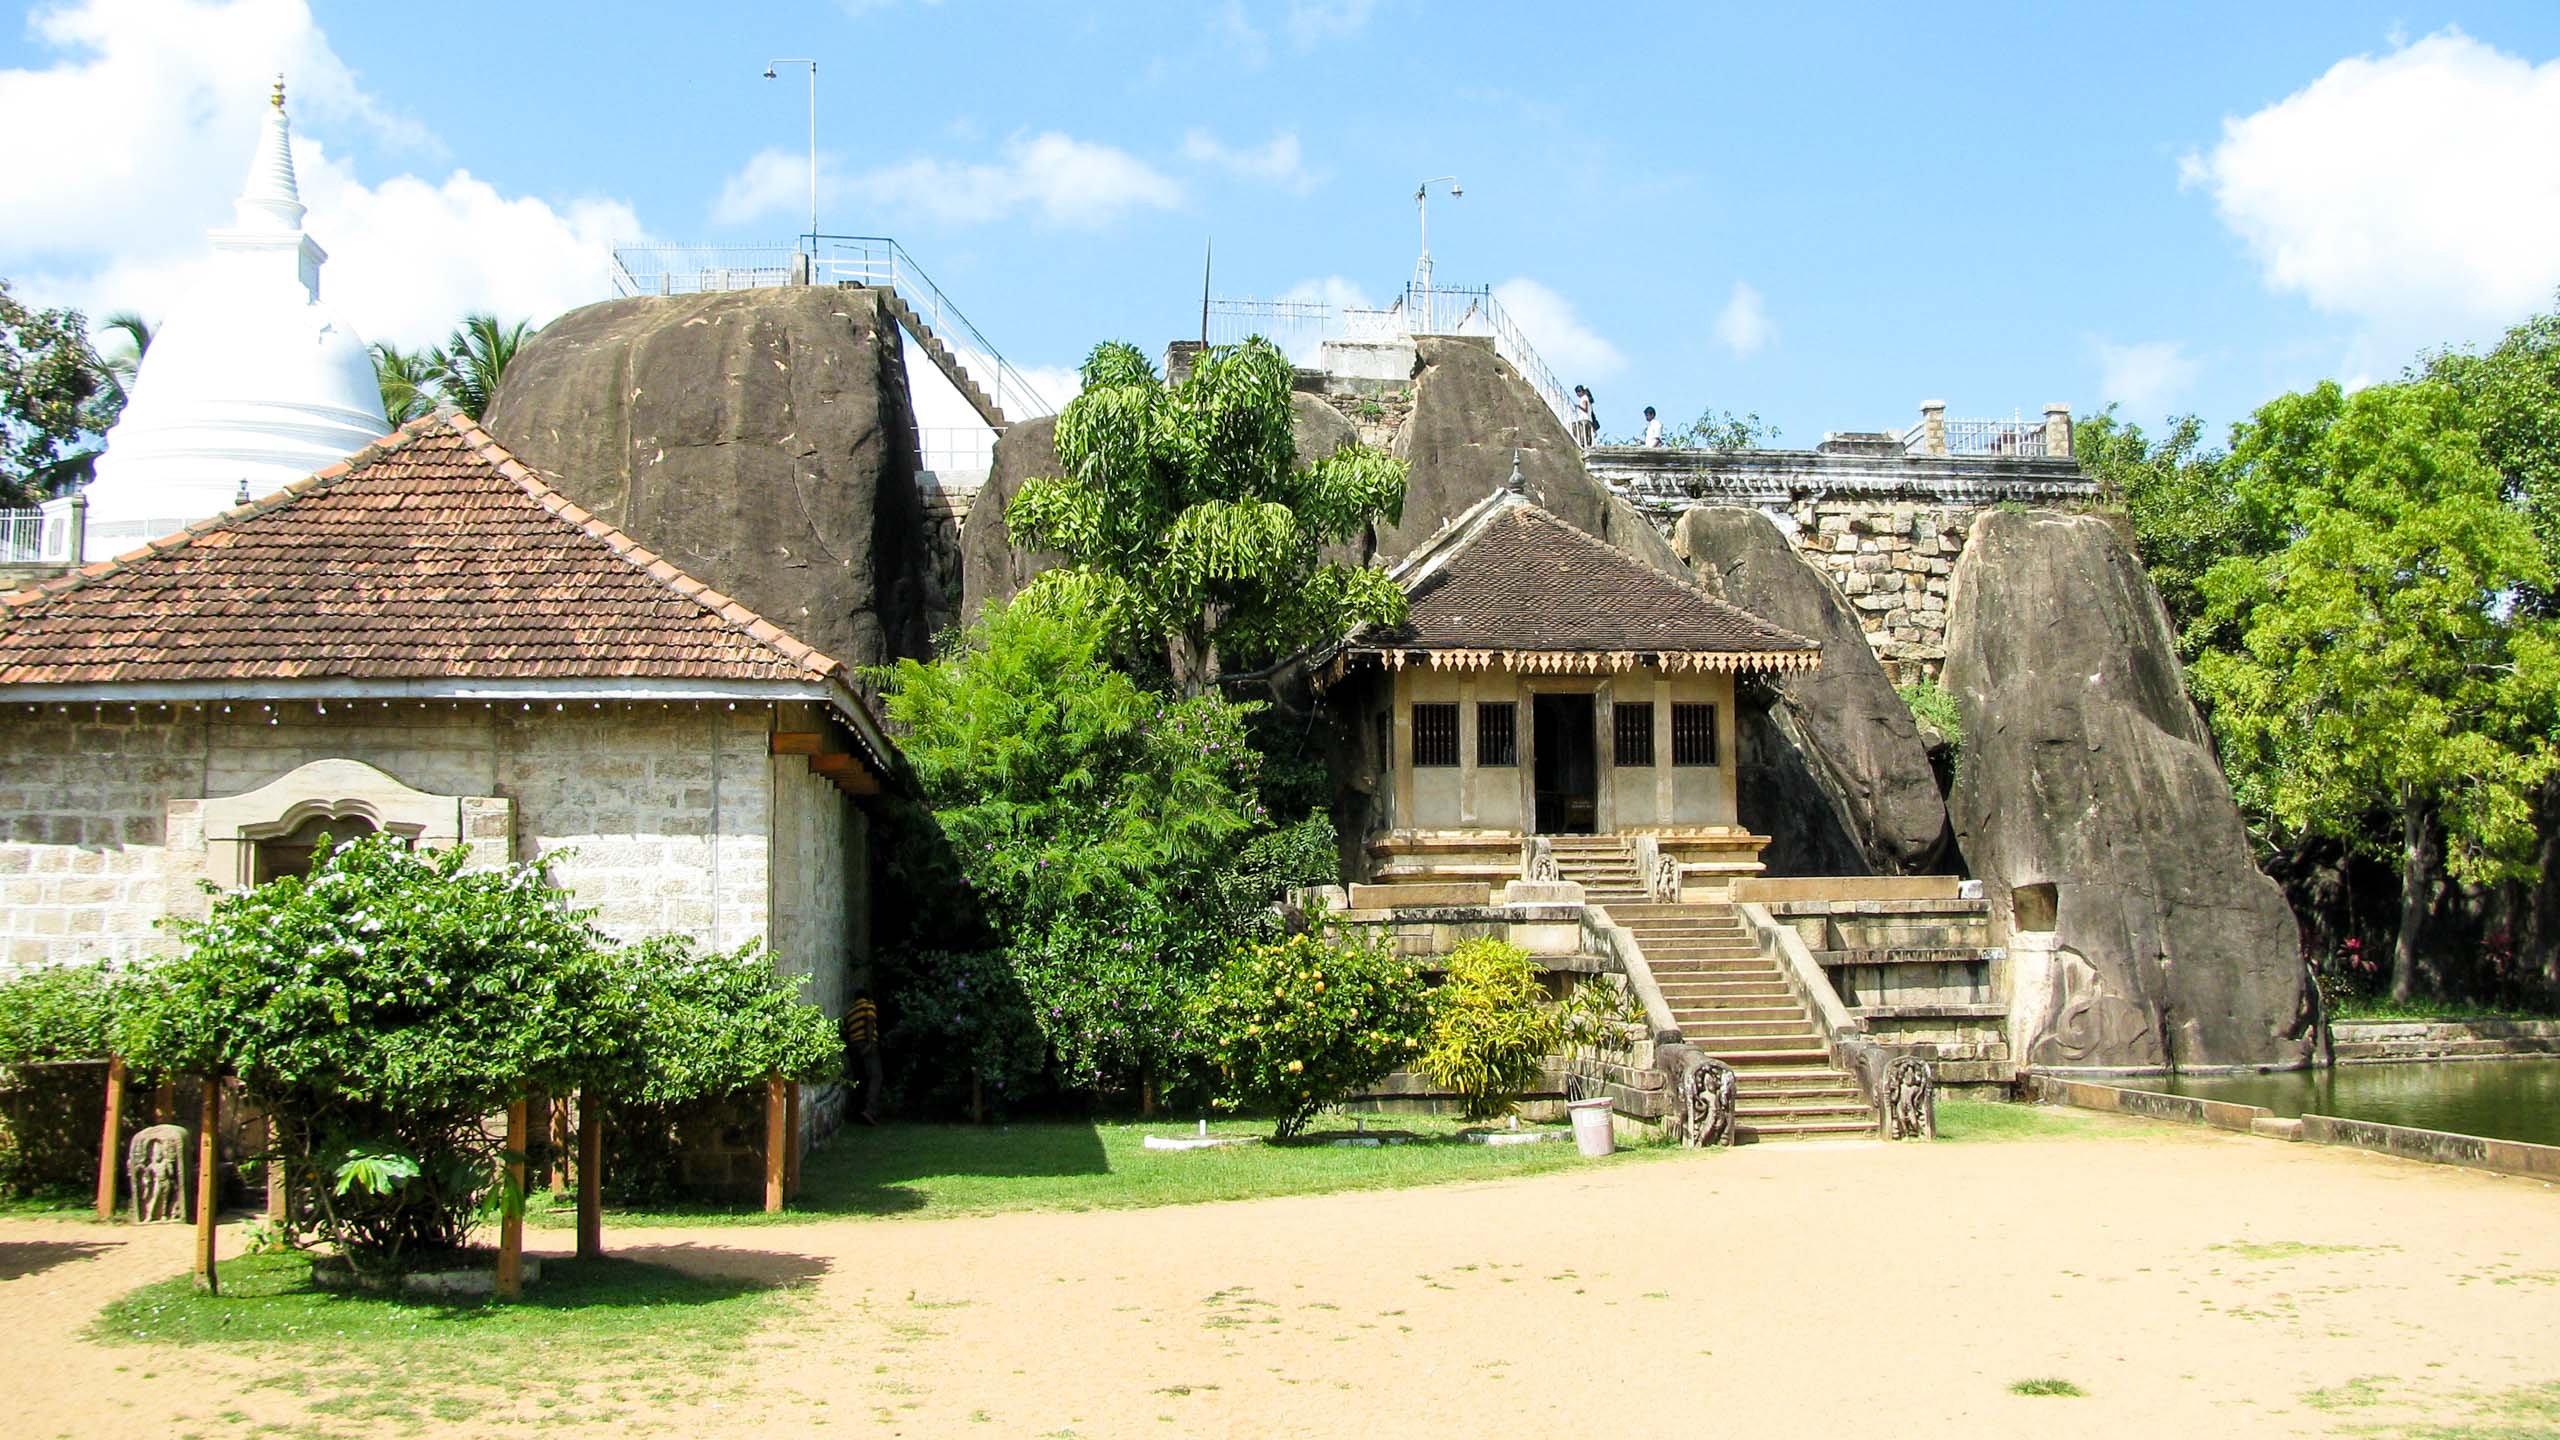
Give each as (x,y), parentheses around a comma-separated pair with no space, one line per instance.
(155,1168)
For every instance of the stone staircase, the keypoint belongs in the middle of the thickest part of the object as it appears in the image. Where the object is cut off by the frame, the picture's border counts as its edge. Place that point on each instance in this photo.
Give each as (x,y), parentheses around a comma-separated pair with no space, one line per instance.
(944,360)
(1603,865)
(1734,1003)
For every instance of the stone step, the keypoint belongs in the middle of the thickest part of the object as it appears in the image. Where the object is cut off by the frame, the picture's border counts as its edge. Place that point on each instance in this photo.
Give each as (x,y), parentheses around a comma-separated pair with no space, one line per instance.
(1804,1129)
(1715,1041)
(1702,950)
(1744,1014)
(1719,1026)
(1747,1061)
(1798,1105)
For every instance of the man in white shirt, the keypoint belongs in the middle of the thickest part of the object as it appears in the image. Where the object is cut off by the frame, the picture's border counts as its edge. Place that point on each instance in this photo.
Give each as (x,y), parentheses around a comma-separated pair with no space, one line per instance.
(1652,430)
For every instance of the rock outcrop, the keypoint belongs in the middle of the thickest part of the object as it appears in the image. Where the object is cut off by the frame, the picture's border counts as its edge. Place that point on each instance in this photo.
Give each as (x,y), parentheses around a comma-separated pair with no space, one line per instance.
(762,440)
(2089,802)
(1838,762)
(993,568)
(1471,410)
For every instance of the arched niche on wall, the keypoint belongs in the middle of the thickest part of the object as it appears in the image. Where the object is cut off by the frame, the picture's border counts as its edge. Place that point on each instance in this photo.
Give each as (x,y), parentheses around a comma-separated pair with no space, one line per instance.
(252,836)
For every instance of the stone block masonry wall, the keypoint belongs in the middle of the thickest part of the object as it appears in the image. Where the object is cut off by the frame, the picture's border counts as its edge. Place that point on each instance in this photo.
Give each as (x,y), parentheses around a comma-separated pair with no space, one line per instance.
(83,803)
(668,811)
(1894,562)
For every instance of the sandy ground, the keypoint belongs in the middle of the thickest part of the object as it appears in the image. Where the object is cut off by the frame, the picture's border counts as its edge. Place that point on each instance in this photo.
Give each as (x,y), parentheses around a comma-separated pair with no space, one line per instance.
(1770,1291)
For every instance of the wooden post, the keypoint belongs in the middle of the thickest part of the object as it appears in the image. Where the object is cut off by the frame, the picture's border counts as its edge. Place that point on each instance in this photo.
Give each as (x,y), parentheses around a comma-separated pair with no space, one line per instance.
(590,1175)
(109,1160)
(791,1145)
(511,1206)
(559,1145)
(208,1183)
(775,1143)
(279,1191)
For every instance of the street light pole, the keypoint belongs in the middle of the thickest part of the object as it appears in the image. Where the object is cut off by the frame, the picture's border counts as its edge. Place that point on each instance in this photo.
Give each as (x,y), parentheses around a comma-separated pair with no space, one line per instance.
(1422,212)
(813,139)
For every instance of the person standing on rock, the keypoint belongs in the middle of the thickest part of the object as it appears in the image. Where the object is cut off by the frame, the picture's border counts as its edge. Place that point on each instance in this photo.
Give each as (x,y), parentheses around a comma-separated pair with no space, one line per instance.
(1586,425)
(1652,430)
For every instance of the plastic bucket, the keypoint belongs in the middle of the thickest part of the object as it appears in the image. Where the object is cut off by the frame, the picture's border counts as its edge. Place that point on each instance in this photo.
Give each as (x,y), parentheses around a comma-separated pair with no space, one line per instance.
(1592,1132)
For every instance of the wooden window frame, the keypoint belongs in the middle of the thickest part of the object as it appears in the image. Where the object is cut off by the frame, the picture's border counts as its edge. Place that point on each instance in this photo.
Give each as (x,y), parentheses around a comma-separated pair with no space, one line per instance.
(1632,741)
(1435,744)
(1695,739)
(1498,743)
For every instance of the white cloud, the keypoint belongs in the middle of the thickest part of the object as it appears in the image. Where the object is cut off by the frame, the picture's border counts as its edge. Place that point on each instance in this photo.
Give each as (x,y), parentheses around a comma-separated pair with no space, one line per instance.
(1063,181)
(117,221)
(1277,160)
(1312,22)
(1743,325)
(1572,349)
(2416,192)
(2145,377)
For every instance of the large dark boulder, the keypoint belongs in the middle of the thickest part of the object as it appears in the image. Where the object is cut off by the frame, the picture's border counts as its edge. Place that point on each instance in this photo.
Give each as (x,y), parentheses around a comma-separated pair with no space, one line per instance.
(1842,727)
(2090,804)
(761,440)
(1471,411)
(993,568)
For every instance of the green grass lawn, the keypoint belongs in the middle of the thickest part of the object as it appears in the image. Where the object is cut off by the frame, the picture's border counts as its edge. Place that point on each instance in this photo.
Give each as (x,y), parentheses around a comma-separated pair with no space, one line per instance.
(943,1170)
(642,1334)
(1972,1120)
(2425,1007)
(60,1205)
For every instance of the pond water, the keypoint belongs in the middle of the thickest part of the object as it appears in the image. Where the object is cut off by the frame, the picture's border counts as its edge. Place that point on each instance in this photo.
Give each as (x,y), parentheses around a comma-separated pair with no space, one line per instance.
(2503,1099)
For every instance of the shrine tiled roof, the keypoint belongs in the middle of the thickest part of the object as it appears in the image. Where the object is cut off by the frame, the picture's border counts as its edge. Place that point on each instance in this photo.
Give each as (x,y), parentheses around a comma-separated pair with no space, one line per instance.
(1517,579)
(431,554)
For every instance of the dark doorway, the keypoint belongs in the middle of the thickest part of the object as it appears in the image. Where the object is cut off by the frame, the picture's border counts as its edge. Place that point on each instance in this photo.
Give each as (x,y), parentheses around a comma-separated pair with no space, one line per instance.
(1568,766)
(295,852)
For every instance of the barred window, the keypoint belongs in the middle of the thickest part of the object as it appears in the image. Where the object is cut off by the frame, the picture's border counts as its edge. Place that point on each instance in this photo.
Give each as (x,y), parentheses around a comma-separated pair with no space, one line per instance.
(1634,726)
(1497,733)
(1435,734)
(1693,734)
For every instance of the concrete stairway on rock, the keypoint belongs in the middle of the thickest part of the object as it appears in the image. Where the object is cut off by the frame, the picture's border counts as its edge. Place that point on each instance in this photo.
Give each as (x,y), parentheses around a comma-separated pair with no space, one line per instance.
(1734,1003)
(945,360)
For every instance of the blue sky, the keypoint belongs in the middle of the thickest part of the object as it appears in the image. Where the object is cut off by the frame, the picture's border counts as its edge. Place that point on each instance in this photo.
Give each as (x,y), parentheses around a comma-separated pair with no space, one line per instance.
(1824,216)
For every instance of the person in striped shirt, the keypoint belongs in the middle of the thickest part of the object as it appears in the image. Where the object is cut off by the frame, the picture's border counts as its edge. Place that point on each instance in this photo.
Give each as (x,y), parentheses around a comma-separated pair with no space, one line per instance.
(862,1037)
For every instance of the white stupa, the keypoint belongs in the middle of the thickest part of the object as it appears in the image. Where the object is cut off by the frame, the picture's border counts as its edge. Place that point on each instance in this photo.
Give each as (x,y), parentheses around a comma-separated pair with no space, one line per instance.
(250,381)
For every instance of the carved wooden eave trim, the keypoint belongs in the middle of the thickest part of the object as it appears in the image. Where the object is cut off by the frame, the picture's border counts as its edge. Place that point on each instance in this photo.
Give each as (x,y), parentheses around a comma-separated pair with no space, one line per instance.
(1570,662)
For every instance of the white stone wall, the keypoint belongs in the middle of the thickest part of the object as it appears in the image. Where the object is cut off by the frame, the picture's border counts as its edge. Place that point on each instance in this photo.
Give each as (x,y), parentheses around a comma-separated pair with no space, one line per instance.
(670,814)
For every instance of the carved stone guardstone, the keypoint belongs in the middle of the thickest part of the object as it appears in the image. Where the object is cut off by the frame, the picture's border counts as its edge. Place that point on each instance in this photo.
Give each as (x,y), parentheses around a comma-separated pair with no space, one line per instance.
(1707,1103)
(1909,1099)
(155,1167)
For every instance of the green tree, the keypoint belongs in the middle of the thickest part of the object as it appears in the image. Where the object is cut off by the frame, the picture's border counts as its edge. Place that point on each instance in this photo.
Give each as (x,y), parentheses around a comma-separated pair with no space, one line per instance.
(2178,495)
(2376,661)
(408,382)
(474,358)
(2511,399)
(1092,819)
(1187,522)
(55,400)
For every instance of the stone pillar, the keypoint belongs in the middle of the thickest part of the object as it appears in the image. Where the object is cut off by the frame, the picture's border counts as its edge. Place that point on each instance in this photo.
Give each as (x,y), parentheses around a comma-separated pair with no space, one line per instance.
(79,547)
(2057,432)
(1933,428)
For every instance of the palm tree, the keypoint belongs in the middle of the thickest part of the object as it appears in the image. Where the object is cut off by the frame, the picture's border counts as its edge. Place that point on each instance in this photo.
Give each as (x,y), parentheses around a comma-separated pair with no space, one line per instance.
(408,379)
(471,362)
(118,366)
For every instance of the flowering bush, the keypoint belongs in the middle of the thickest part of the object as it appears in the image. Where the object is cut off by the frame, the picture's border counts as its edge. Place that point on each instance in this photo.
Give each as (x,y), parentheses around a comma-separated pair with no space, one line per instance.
(1299,1025)
(963,1029)
(1491,1027)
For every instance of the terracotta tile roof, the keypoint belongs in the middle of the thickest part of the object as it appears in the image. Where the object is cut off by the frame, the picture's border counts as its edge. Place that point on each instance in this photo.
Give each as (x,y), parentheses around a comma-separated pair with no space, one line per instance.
(1525,581)
(431,554)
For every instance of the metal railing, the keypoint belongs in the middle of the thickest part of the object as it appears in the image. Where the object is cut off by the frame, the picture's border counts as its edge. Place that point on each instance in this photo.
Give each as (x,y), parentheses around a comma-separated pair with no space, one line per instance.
(1435,310)
(2020,438)
(871,260)
(956,449)
(22,539)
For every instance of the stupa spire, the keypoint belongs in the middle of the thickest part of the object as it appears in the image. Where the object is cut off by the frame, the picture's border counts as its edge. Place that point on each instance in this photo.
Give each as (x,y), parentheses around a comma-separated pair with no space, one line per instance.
(269,198)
